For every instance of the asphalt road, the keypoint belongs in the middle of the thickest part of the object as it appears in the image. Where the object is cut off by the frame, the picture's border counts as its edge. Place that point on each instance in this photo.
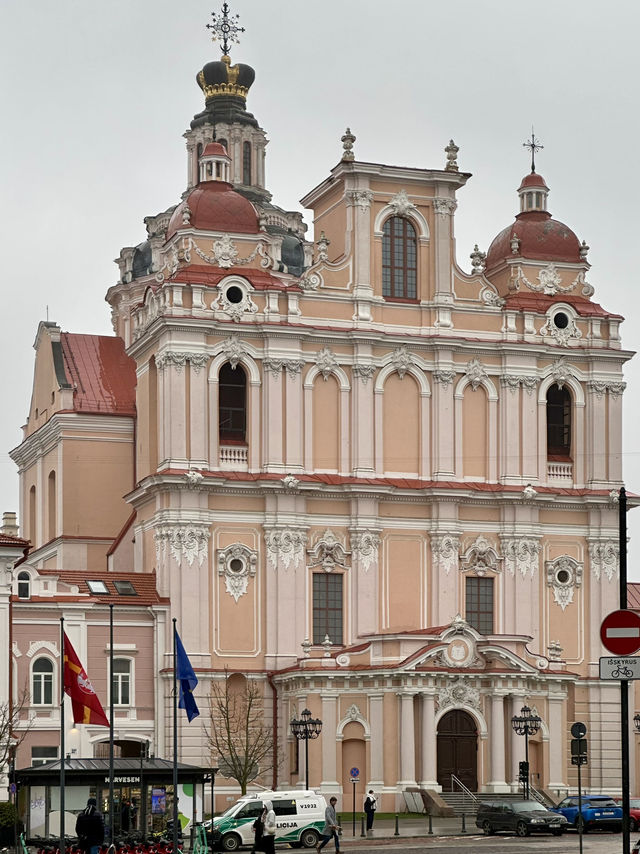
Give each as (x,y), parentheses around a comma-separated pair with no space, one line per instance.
(593,843)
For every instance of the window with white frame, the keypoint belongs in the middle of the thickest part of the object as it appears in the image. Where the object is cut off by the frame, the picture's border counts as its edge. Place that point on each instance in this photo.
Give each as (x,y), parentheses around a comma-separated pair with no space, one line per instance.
(24,585)
(121,682)
(42,682)
(41,755)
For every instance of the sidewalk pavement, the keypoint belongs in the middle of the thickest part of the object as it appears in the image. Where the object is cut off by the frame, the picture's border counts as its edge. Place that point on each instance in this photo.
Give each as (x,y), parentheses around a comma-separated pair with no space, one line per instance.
(409,826)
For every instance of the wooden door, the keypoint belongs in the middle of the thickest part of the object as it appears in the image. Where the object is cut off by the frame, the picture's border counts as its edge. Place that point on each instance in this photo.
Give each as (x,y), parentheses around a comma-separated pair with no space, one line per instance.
(457,750)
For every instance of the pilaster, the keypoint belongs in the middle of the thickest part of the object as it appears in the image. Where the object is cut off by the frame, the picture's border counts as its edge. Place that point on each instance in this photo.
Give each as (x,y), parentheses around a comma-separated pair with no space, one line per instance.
(407,742)
(429,776)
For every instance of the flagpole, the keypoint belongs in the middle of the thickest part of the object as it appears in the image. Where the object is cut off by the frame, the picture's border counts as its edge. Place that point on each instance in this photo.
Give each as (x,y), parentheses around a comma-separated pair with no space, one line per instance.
(111,834)
(175,742)
(62,747)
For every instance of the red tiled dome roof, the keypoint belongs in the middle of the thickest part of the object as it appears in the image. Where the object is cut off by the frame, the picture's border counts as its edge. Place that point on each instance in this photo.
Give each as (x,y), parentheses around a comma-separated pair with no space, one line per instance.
(215,206)
(541,239)
(532,180)
(214,148)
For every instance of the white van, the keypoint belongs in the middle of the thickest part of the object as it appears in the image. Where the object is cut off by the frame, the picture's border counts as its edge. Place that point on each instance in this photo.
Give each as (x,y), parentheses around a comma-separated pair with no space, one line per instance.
(299,819)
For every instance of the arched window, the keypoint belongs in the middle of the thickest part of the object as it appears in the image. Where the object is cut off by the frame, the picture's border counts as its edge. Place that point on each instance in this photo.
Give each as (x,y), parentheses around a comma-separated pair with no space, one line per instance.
(42,682)
(558,422)
(121,682)
(24,585)
(232,404)
(246,163)
(399,259)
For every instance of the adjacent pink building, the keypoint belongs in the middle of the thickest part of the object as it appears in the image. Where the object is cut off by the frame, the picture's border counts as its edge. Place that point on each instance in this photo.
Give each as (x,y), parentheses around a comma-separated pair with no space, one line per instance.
(382,486)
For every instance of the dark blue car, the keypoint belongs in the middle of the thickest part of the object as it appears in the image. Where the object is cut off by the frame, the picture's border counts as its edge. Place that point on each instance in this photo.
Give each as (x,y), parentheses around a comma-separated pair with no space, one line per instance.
(597,811)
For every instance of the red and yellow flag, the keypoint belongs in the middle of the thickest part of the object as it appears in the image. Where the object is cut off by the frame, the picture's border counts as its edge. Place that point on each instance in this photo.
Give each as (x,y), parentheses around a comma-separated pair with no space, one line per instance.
(86,706)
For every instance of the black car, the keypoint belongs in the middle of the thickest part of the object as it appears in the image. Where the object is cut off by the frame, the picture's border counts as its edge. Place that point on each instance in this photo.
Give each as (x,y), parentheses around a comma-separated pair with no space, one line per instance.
(519,817)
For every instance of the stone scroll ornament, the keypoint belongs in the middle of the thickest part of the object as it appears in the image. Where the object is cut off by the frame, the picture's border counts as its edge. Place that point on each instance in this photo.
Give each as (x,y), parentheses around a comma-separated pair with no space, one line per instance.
(186,543)
(285,546)
(364,547)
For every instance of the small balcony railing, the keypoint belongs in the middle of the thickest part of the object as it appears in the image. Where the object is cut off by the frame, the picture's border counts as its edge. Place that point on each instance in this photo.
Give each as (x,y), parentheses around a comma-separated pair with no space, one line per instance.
(560,471)
(234,457)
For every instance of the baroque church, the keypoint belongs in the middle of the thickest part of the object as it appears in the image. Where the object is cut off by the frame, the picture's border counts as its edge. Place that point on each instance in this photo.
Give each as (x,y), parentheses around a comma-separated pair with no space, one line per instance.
(378,486)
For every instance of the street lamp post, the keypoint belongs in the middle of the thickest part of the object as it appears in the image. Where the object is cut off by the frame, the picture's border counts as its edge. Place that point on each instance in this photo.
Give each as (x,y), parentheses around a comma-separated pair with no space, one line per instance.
(304,728)
(526,724)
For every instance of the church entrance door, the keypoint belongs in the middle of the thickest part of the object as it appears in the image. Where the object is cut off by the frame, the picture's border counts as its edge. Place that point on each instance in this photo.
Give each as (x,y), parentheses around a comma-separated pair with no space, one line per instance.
(457,750)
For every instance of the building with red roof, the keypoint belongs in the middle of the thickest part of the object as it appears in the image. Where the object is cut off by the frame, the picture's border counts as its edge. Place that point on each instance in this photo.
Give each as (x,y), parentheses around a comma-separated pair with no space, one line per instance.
(379,485)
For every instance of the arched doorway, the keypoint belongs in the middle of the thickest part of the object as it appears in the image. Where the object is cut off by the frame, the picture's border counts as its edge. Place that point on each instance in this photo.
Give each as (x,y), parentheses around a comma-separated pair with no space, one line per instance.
(457,750)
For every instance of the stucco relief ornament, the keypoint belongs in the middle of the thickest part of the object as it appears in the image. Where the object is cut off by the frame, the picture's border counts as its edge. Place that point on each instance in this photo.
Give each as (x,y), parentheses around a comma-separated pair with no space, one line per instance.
(614,496)
(234,309)
(604,558)
(326,362)
(290,483)
(554,651)
(400,204)
(323,244)
(360,198)
(328,552)
(401,360)
(616,389)
(564,575)
(444,207)
(490,296)
(561,371)
(198,361)
(444,378)
(237,563)
(444,549)
(549,281)
(311,281)
(529,493)
(364,547)
(561,336)
(478,260)
(363,372)
(224,251)
(285,546)
(171,357)
(476,373)
(186,543)
(511,382)
(273,366)
(193,477)
(459,693)
(293,367)
(521,554)
(306,648)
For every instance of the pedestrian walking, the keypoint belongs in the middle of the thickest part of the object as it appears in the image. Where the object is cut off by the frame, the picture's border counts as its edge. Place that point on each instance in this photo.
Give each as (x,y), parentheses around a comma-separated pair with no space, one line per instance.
(90,828)
(258,830)
(269,829)
(331,826)
(370,810)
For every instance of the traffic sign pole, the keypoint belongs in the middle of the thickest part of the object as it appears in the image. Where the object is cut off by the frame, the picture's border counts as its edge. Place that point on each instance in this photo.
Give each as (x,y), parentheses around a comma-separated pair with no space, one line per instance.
(624,683)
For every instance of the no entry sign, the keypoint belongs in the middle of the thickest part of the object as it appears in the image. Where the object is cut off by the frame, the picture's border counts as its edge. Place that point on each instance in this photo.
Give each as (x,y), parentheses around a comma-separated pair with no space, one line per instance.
(620,632)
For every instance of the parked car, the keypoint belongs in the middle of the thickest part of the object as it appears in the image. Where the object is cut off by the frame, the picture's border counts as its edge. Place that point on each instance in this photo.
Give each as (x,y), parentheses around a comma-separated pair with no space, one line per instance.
(634,812)
(519,817)
(597,811)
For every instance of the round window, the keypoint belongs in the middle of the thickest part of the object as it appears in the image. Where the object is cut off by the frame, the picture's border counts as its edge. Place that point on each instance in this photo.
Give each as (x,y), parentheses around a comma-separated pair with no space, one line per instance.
(236,565)
(560,320)
(234,294)
(563,576)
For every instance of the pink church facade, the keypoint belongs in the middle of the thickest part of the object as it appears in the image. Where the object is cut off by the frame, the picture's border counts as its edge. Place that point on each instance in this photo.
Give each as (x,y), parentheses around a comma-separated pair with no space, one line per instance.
(384,488)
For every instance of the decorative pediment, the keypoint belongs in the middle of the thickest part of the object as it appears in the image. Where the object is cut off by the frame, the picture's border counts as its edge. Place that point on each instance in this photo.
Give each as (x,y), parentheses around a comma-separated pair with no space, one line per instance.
(328,552)
(481,557)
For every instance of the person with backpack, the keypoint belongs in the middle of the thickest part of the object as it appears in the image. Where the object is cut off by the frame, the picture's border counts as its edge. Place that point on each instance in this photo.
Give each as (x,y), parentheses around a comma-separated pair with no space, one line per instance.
(370,810)
(90,828)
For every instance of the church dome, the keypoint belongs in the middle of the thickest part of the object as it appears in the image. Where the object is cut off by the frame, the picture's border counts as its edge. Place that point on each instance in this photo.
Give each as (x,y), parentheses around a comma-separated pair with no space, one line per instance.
(534,235)
(215,206)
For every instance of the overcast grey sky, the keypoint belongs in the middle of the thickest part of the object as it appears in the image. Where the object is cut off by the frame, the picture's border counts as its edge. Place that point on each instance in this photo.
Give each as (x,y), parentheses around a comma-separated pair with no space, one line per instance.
(96,96)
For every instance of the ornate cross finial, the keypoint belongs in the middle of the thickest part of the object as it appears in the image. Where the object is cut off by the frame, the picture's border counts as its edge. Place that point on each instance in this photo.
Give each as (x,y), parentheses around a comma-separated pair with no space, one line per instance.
(225,28)
(533,145)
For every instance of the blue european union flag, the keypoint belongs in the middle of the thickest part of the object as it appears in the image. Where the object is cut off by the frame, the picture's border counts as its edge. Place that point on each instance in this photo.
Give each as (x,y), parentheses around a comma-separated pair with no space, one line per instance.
(187,680)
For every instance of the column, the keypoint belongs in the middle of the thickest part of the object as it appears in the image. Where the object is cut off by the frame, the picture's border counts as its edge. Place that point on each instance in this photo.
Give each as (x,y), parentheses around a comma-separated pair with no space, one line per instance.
(443,463)
(557,766)
(496,745)
(510,430)
(596,473)
(363,381)
(429,776)
(198,401)
(272,414)
(407,742)
(328,777)
(376,759)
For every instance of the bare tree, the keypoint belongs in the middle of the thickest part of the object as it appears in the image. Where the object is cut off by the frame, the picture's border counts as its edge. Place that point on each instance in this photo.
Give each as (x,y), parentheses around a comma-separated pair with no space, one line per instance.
(10,736)
(238,733)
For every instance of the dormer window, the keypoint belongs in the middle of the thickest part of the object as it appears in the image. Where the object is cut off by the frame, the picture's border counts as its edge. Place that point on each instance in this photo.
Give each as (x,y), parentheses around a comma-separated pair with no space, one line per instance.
(24,585)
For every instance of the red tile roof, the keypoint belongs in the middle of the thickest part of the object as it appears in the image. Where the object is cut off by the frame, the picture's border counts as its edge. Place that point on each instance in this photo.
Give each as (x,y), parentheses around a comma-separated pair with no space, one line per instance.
(201,274)
(103,376)
(633,595)
(8,540)
(144,584)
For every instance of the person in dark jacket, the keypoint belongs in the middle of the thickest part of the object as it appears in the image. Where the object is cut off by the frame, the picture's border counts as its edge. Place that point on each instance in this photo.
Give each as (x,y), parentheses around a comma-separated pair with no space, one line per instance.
(90,828)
